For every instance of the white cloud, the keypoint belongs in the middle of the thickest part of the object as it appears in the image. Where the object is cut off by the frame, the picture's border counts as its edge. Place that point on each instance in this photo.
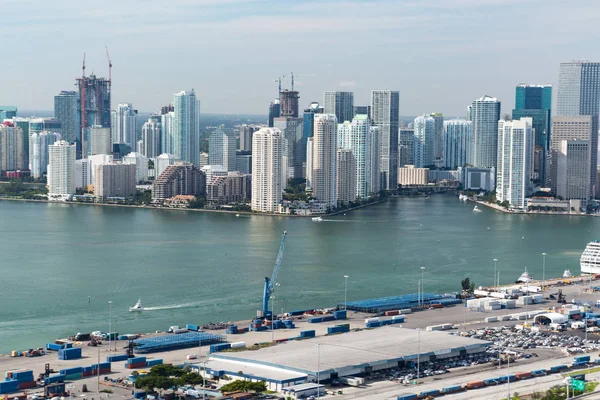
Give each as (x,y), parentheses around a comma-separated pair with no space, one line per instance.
(347,84)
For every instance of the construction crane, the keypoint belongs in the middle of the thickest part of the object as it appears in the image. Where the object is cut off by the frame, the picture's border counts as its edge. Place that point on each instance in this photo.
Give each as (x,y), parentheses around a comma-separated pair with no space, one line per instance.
(109,68)
(278,80)
(270,282)
(292,81)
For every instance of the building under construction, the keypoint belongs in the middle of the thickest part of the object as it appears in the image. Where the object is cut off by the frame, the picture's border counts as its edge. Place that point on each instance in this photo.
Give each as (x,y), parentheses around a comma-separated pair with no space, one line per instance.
(289,103)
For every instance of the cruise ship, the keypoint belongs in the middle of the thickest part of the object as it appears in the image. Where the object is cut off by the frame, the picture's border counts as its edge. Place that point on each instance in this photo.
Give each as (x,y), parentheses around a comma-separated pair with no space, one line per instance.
(590,259)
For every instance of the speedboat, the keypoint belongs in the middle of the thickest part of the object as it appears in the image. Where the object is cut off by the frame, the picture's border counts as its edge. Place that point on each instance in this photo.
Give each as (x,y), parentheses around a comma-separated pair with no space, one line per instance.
(137,307)
(237,215)
(476,209)
(317,219)
(525,277)
(567,274)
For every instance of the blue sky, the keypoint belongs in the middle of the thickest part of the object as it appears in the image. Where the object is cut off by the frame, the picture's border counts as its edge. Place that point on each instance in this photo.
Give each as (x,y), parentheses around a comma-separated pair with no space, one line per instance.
(440,54)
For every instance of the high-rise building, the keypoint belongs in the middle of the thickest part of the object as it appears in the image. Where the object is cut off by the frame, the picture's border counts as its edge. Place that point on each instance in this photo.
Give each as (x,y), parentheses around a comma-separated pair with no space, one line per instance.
(114,180)
(243,161)
(267,155)
(485,114)
(7,112)
(151,132)
(573,170)
(204,159)
(141,165)
(274,111)
(406,147)
(123,125)
(579,94)
(100,142)
(246,132)
(294,147)
(365,110)
(309,119)
(181,179)
(235,187)
(385,109)
(38,152)
(515,152)
(83,173)
(356,137)
(186,127)
(424,141)
(325,160)
(375,180)
(535,101)
(93,162)
(65,110)
(309,163)
(167,145)
(12,148)
(94,98)
(346,176)
(222,148)
(458,136)
(61,170)
(339,103)
(438,145)
(568,128)
(212,171)
(162,162)
(289,103)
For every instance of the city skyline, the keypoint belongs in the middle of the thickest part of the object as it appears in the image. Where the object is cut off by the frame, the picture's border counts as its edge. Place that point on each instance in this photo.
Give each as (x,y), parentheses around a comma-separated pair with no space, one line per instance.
(424,86)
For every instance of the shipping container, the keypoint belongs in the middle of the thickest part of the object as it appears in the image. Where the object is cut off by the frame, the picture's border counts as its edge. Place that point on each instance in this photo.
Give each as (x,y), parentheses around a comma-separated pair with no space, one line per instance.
(429,393)
(8,387)
(27,385)
(119,357)
(156,361)
(54,379)
(523,375)
(73,377)
(491,381)
(341,314)
(192,327)
(475,385)
(238,345)
(136,365)
(452,389)
(315,320)
(392,312)
(558,368)
(538,372)
(136,360)
(68,371)
(307,334)
(582,358)
(407,397)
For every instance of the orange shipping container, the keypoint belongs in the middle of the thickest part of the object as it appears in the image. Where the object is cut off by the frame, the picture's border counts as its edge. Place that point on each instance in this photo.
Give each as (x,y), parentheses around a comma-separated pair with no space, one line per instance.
(475,384)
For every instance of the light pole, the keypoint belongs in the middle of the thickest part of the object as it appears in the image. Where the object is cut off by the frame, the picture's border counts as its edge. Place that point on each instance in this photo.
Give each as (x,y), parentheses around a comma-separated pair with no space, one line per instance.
(70,392)
(109,321)
(346,292)
(495,273)
(318,368)
(419,293)
(273,319)
(508,374)
(422,285)
(418,354)
(544,268)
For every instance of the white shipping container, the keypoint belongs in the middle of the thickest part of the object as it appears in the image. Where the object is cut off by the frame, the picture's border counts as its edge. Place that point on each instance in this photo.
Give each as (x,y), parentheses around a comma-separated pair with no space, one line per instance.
(484,293)
(180,330)
(505,318)
(491,319)
(499,295)
(371,320)
(493,307)
(238,345)
(400,317)
(405,311)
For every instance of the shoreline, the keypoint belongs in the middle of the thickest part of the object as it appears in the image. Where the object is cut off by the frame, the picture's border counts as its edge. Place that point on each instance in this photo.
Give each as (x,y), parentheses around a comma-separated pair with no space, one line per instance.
(245,213)
(496,207)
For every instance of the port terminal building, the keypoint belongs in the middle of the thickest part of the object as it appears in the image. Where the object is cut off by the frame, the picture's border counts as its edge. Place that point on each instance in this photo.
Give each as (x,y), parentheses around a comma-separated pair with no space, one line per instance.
(326,358)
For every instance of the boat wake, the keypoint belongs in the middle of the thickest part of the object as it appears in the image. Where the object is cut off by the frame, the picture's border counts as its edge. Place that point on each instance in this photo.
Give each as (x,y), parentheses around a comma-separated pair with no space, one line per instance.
(171,307)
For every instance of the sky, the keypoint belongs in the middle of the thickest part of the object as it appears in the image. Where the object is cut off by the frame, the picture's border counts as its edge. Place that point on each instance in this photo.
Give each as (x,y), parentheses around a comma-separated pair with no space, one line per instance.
(440,54)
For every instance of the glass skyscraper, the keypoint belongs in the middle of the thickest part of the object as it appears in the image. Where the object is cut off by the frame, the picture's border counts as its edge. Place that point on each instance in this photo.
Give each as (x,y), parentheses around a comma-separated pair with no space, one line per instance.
(65,110)
(186,127)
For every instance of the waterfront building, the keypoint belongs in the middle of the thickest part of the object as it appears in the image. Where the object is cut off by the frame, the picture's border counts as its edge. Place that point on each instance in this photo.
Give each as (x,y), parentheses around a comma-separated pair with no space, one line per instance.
(385,109)
(83,173)
(458,137)
(411,175)
(186,127)
(162,162)
(100,142)
(324,160)
(65,111)
(234,187)
(424,141)
(123,125)
(13,150)
(94,95)
(151,133)
(437,175)
(288,103)
(95,160)
(212,171)
(38,152)
(141,165)
(243,161)
(535,101)
(579,94)
(274,111)
(61,170)
(341,104)
(222,147)
(485,114)
(346,176)
(573,171)
(309,163)
(7,112)
(114,180)
(515,152)
(478,178)
(181,179)
(167,144)
(267,157)
(406,146)
(246,132)
(356,137)
(294,147)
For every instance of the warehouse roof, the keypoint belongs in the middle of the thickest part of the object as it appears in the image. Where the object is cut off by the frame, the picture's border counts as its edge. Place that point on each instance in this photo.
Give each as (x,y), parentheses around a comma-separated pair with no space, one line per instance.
(354,349)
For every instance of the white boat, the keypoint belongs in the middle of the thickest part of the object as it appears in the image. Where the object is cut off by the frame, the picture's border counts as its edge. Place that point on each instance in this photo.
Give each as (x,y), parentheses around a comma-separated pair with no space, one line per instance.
(463,197)
(317,219)
(137,307)
(525,277)
(567,274)
(476,209)
(237,215)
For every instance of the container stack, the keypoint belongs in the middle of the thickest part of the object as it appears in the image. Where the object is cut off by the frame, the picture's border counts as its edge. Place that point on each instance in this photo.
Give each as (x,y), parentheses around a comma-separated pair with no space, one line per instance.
(54,379)
(72,353)
(340,314)
(102,368)
(231,330)
(135,362)
(117,357)
(153,362)
(23,378)
(58,347)
(289,324)
(307,334)
(257,326)
(338,329)
(72,374)
(192,327)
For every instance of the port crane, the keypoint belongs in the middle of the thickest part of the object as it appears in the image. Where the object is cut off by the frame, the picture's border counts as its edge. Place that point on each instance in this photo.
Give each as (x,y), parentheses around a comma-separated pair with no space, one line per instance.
(270,282)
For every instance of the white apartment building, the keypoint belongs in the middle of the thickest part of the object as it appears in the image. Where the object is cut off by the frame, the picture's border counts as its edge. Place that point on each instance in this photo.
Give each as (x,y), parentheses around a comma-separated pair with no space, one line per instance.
(61,171)
(267,163)
(325,159)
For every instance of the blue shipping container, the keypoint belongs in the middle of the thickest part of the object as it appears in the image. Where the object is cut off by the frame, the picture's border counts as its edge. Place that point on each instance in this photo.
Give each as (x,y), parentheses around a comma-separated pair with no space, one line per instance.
(68,371)
(139,395)
(307,333)
(54,379)
(452,389)
(192,327)
(151,363)
(8,387)
(119,357)
(341,314)
(315,320)
(407,397)
(136,360)
(582,358)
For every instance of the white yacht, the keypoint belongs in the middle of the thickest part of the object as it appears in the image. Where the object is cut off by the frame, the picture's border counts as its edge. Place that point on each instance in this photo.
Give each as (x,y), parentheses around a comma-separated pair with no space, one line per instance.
(476,209)
(137,307)
(317,219)
(463,197)
(567,274)
(590,258)
(525,277)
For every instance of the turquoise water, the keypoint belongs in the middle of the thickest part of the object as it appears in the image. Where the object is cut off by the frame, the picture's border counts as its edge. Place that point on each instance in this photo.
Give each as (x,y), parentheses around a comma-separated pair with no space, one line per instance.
(198,267)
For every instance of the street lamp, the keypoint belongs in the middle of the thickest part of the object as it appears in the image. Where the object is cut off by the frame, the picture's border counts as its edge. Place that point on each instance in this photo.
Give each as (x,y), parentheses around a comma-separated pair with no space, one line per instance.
(318,368)
(422,286)
(418,354)
(544,268)
(495,273)
(109,322)
(273,319)
(346,292)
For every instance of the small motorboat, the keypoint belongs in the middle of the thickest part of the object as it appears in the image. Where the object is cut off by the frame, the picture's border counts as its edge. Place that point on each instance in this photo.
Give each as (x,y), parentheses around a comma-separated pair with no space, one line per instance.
(476,209)
(567,273)
(137,307)
(237,215)
(525,277)
(317,219)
